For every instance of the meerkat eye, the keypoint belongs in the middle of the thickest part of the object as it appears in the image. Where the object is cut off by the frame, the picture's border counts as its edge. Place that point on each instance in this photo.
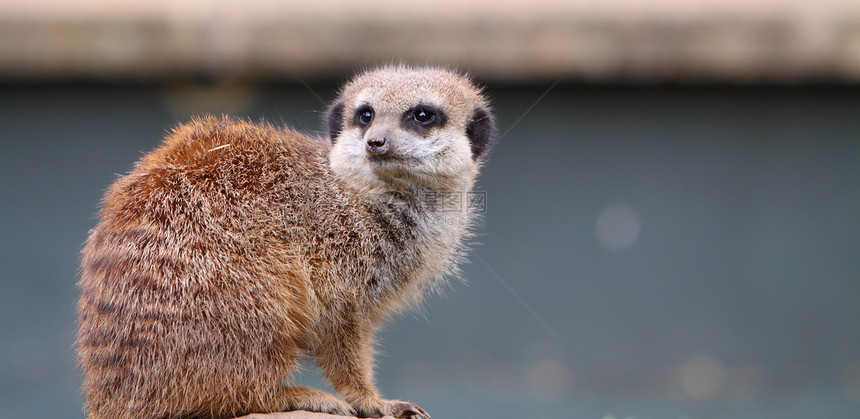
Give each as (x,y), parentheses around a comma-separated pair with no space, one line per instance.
(424,116)
(363,116)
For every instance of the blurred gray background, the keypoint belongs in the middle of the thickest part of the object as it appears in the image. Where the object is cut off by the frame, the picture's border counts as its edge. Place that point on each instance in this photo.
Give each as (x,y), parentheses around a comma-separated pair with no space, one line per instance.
(659,242)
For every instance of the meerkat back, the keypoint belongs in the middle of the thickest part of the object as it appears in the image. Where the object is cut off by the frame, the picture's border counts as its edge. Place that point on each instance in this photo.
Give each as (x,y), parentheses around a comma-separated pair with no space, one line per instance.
(234,249)
(180,276)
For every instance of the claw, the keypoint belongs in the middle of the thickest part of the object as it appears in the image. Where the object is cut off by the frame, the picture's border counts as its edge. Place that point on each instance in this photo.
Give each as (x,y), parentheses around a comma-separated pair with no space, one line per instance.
(417,411)
(409,410)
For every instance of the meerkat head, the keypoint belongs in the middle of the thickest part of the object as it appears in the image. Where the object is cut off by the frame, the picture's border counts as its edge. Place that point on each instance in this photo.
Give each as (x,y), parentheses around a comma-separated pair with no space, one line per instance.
(398,127)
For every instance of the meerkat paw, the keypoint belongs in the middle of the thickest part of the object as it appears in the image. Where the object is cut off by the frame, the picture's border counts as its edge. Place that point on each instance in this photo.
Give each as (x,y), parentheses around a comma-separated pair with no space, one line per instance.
(406,409)
(396,408)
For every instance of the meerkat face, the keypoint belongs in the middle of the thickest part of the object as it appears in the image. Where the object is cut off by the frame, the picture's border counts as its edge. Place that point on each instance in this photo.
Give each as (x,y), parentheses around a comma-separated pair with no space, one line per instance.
(397,126)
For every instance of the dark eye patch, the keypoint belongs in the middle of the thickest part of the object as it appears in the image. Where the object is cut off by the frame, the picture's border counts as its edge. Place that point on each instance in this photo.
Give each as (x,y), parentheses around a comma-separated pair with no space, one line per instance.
(364,116)
(422,118)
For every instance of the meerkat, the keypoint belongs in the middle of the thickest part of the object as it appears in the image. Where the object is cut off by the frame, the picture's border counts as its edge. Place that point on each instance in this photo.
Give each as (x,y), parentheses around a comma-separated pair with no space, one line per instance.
(235,249)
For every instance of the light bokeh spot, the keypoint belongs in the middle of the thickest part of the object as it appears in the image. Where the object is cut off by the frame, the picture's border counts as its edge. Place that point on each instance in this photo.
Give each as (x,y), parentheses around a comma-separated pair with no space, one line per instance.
(617,227)
(702,377)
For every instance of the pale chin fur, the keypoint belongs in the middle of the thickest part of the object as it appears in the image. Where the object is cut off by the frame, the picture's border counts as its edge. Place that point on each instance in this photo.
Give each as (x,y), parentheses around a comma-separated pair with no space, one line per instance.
(438,168)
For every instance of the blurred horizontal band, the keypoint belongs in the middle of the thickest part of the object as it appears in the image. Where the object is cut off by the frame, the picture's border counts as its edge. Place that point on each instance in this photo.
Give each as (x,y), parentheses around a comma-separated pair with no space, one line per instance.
(664,40)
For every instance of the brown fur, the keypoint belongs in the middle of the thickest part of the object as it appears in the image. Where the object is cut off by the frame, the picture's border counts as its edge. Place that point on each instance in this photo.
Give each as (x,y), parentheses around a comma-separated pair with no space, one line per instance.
(233,250)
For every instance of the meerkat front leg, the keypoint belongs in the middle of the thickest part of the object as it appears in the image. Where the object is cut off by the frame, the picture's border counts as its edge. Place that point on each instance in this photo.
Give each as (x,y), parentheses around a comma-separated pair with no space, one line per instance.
(346,359)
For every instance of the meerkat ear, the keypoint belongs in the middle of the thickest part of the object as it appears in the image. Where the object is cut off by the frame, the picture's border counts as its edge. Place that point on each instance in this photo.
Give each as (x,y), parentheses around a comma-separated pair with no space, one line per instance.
(481,131)
(334,121)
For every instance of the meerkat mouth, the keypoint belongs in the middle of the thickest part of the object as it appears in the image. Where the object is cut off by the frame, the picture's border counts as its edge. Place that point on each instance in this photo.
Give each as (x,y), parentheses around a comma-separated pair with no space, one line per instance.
(391,159)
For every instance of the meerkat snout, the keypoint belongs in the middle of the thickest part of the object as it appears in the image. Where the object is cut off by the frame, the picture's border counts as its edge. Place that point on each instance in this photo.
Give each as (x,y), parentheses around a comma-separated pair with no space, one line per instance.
(377,140)
(377,145)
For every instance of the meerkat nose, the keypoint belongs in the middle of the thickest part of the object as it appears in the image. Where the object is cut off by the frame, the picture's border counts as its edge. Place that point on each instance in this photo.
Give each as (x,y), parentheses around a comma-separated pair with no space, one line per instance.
(377,145)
